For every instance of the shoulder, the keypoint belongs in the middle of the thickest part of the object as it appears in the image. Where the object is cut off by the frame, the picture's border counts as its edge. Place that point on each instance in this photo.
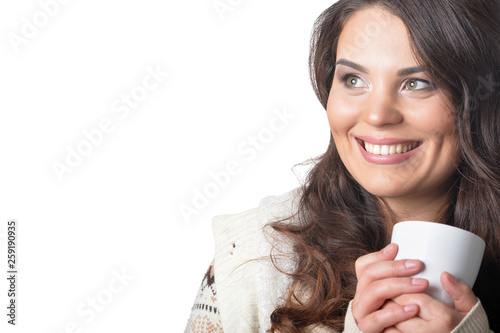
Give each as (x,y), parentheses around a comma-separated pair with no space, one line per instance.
(269,209)
(242,237)
(242,267)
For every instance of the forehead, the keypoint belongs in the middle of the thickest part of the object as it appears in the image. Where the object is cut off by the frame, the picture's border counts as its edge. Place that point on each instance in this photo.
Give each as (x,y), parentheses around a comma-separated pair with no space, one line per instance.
(374,37)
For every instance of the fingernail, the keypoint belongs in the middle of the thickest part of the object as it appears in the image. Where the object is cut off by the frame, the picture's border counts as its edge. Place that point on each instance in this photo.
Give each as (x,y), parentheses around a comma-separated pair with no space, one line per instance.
(412,264)
(451,278)
(419,282)
(410,308)
(388,249)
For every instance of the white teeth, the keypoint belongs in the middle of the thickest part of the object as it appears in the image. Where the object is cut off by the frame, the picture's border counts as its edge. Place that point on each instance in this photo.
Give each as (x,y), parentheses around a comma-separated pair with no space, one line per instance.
(389,149)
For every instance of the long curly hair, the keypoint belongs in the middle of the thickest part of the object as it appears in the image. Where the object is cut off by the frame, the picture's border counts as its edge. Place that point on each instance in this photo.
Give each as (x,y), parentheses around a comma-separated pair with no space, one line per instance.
(458,42)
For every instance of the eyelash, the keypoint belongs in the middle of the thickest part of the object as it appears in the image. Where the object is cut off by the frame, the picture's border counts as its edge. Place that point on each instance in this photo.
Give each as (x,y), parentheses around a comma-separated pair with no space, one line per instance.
(428,83)
(347,76)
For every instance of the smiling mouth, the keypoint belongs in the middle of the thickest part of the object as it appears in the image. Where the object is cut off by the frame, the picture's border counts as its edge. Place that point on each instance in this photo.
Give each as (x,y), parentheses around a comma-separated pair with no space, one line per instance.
(400,148)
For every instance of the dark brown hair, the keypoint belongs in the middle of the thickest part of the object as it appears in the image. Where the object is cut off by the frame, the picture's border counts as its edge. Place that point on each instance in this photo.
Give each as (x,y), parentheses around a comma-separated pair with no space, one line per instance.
(458,41)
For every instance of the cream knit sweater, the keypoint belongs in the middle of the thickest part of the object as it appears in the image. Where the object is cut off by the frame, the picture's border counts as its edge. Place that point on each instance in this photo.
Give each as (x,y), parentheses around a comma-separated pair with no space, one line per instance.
(246,285)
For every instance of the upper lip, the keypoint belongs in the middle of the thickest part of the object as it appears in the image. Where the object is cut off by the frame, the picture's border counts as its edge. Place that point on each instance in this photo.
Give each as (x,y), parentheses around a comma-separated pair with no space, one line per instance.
(385,141)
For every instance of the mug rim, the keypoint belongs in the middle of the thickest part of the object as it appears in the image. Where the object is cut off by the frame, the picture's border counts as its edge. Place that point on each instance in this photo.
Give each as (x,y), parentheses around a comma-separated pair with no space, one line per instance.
(439,225)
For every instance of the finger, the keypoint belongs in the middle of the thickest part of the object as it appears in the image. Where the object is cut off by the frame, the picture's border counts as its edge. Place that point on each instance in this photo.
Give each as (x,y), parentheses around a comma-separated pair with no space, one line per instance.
(374,266)
(414,324)
(382,290)
(394,329)
(431,311)
(462,294)
(388,269)
(391,330)
(433,315)
(387,317)
(387,253)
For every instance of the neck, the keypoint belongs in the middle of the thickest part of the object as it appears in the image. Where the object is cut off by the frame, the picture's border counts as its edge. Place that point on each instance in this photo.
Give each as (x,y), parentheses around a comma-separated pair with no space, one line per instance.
(427,208)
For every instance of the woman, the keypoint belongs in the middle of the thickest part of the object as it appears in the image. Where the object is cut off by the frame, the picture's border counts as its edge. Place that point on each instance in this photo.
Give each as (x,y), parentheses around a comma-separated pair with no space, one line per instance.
(412,98)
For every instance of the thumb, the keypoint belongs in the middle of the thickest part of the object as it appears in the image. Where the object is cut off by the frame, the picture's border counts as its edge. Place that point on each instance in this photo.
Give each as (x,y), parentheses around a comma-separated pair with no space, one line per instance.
(462,294)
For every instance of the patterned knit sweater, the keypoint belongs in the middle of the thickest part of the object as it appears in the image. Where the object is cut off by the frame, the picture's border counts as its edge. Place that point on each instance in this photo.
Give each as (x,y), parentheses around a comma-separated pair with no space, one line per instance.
(240,290)
(205,315)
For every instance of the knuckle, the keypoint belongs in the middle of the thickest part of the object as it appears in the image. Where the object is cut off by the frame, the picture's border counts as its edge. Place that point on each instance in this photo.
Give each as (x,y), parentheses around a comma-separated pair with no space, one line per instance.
(405,299)
(366,260)
(369,271)
(383,318)
(408,297)
(369,324)
(391,330)
(377,320)
(447,323)
(399,268)
(391,286)
(465,292)
(382,287)
(362,327)
(358,265)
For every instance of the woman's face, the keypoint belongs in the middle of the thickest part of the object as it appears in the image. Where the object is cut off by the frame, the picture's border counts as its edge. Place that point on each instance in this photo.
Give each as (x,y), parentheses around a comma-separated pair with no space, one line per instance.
(393,128)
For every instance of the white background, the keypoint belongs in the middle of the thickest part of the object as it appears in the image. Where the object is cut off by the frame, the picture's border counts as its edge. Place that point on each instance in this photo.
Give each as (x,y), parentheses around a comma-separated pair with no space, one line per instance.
(118,210)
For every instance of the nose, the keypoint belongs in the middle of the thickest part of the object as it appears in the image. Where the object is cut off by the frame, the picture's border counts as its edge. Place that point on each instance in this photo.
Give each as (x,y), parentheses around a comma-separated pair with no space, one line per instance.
(381,108)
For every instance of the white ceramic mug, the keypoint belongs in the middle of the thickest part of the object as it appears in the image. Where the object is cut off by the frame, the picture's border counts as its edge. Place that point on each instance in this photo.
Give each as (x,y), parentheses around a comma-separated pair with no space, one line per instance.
(441,248)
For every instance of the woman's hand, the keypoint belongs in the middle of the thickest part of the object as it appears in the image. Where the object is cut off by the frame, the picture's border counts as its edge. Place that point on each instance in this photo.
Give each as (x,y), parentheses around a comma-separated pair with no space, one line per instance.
(381,279)
(435,316)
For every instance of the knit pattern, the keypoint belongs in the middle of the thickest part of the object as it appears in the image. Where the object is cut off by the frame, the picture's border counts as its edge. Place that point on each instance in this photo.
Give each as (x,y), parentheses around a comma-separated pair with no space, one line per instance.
(205,315)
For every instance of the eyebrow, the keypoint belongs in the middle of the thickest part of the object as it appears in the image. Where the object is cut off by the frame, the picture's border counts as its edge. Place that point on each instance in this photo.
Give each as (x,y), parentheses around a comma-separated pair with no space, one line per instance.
(410,70)
(352,65)
(401,72)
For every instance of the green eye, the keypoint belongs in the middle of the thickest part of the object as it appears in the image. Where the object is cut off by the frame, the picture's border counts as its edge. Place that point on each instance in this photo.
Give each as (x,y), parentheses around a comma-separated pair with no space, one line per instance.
(352,81)
(417,84)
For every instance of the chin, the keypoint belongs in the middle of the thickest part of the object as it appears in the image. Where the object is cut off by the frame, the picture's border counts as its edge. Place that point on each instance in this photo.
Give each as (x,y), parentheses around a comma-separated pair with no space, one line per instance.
(386,190)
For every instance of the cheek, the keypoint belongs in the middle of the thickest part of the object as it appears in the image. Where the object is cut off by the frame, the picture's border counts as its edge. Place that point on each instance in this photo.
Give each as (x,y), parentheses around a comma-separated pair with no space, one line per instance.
(436,115)
(341,119)
(437,122)
(341,115)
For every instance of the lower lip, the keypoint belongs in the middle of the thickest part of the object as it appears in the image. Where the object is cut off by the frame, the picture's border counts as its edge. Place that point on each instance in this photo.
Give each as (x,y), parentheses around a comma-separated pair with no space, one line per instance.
(386,159)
